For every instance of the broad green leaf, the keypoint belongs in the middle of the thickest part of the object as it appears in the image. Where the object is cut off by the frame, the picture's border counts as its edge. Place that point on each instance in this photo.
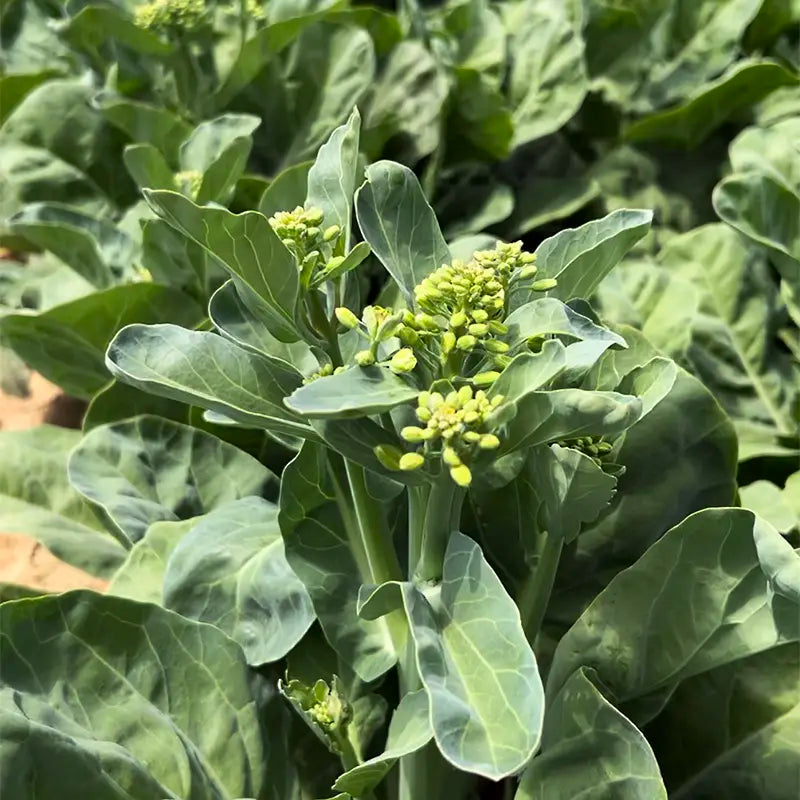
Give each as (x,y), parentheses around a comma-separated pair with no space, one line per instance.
(709,105)
(332,178)
(766,499)
(218,149)
(287,191)
(590,750)
(734,347)
(479,36)
(409,731)
(207,370)
(548,79)
(145,123)
(703,598)
(94,25)
(247,248)
(317,533)
(471,199)
(406,103)
(763,209)
(480,117)
(97,250)
(780,562)
(651,382)
(148,167)
(37,500)
(480,674)
(543,417)
(141,576)
(184,722)
(550,316)
(579,258)
(14,87)
(573,489)
(399,224)
(230,570)
(771,150)
(528,372)
(147,469)
(741,738)
(356,392)
(238,323)
(67,343)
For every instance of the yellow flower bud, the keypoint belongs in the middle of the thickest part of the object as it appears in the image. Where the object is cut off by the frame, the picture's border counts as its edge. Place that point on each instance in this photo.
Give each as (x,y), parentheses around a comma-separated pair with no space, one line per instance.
(479,315)
(489,442)
(331,233)
(544,285)
(403,361)
(346,317)
(411,433)
(478,329)
(313,216)
(448,342)
(466,342)
(496,346)
(411,461)
(364,358)
(486,378)
(458,320)
(461,475)
(450,457)
(527,272)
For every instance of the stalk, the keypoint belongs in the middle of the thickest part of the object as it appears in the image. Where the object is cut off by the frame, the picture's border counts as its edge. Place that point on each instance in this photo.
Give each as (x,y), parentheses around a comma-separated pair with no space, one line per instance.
(536,590)
(442,515)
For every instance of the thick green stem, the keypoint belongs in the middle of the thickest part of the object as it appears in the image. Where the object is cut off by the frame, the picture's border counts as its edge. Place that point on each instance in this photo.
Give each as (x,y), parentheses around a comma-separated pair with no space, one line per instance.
(442,516)
(417,503)
(535,594)
(324,326)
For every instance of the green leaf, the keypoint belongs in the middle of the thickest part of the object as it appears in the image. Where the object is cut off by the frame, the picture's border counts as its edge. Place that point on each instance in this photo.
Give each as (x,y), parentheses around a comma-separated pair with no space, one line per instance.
(769,150)
(148,167)
(741,738)
(356,392)
(734,348)
(550,316)
(480,674)
(145,123)
(481,118)
(702,597)
(591,750)
(708,106)
(238,323)
(406,103)
(147,469)
(763,209)
(67,343)
(95,249)
(94,25)
(574,490)
(247,247)
(332,178)
(548,79)
(218,149)
(530,371)
(204,369)
(184,722)
(287,191)
(544,417)
(766,499)
(37,500)
(409,731)
(14,87)
(651,382)
(399,224)
(230,570)
(579,258)
(778,559)
(141,576)
(316,535)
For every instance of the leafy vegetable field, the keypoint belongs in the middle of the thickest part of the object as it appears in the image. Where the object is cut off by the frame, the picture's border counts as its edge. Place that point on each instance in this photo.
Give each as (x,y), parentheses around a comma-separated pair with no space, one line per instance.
(442,379)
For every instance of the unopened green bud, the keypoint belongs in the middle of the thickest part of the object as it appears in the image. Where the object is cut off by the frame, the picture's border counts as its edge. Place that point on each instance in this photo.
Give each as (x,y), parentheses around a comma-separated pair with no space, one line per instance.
(408,336)
(544,285)
(346,317)
(411,461)
(403,361)
(335,262)
(498,328)
(479,315)
(496,346)
(426,322)
(461,475)
(365,358)
(486,378)
(479,329)
(312,232)
(450,457)
(466,342)
(411,433)
(448,342)
(388,455)
(314,216)
(331,233)
(489,442)
(527,272)
(458,320)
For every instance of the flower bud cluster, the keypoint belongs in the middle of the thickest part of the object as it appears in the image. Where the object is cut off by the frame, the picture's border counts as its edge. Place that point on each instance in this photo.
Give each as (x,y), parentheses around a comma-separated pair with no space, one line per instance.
(307,239)
(454,427)
(325,706)
(591,446)
(160,14)
(323,372)
(377,325)
(188,182)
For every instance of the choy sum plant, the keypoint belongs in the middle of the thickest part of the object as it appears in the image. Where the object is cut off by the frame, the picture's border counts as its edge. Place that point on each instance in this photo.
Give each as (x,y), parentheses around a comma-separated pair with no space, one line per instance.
(473,578)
